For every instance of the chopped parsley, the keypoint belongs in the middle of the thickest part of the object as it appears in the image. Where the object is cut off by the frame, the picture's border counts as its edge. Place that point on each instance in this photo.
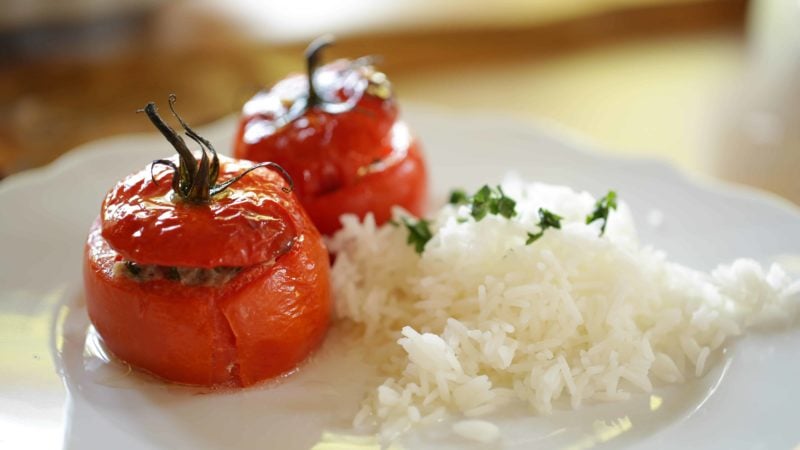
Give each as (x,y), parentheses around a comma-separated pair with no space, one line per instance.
(486,201)
(419,233)
(458,197)
(172,273)
(602,208)
(134,269)
(547,220)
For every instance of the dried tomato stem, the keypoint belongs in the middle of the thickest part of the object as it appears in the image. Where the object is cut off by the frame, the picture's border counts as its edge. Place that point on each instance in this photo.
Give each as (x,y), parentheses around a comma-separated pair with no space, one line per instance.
(201,141)
(188,161)
(224,185)
(194,181)
(313,54)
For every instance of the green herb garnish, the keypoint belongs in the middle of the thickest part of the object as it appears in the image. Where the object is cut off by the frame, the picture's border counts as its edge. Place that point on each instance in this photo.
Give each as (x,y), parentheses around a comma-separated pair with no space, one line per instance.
(419,233)
(547,220)
(602,208)
(505,206)
(481,202)
(458,197)
(171,273)
(134,269)
(486,201)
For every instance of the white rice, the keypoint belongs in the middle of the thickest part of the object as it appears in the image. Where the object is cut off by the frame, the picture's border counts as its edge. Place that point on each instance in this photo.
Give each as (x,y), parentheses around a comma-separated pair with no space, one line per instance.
(477,430)
(480,318)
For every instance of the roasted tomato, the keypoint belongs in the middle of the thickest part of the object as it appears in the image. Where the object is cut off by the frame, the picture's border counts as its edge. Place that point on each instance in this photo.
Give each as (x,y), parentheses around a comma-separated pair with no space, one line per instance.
(336,131)
(207,272)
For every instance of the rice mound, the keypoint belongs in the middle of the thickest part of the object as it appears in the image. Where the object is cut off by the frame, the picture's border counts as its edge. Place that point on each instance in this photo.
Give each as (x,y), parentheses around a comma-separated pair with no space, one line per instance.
(480,318)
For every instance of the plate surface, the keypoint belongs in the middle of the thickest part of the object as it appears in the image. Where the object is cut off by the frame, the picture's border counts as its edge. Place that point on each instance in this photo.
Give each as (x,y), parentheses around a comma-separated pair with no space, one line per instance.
(56,388)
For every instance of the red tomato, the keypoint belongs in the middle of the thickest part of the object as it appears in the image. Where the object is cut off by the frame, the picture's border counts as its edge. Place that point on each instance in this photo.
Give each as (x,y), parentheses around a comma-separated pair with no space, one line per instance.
(340,139)
(248,224)
(269,315)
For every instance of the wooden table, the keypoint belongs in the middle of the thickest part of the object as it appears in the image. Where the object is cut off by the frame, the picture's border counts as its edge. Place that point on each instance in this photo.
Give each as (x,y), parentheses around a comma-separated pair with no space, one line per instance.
(639,81)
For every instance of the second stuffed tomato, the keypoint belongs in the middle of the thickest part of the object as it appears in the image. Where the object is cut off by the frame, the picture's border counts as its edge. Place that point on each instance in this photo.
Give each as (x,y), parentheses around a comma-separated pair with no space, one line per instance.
(336,130)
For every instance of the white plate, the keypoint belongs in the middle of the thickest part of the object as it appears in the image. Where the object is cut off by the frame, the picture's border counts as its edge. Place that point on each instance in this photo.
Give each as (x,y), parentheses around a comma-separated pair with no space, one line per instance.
(54,388)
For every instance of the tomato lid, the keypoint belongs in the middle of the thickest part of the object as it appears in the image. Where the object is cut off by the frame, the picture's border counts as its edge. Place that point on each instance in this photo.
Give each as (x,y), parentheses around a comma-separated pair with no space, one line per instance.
(253,221)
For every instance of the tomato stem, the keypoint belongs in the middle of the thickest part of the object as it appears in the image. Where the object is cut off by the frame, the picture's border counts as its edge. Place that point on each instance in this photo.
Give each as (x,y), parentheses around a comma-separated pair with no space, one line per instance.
(201,141)
(187,159)
(313,54)
(193,181)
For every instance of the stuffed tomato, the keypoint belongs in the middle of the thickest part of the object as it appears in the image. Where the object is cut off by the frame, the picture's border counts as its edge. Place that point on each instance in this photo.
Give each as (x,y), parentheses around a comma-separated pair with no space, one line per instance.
(337,131)
(207,271)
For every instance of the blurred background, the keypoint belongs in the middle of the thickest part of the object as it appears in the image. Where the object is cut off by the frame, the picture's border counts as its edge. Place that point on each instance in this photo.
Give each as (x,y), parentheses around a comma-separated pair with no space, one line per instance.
(713,86)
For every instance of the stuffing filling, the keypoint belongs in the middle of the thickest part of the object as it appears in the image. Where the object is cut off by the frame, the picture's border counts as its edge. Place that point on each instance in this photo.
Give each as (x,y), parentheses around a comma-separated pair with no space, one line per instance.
(192,276)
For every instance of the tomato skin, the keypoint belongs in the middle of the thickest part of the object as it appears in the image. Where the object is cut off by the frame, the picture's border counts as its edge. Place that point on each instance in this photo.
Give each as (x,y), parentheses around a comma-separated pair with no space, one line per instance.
(260,324)
(363,159)
(245,225)
(404,184)
(293,320)
(175,333)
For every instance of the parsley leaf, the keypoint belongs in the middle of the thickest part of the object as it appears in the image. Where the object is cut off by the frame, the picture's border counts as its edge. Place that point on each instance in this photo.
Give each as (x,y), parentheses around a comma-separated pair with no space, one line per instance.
(486,201)
(458,197)
(481,202)
(419,233)
(602,208)
(505,206)
(547,220)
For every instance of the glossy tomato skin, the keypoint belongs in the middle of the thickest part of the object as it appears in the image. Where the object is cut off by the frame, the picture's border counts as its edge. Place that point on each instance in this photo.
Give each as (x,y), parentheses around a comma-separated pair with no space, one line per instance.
(273,337)
(404,183)
(262,323)
(249,223)
(364,159)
